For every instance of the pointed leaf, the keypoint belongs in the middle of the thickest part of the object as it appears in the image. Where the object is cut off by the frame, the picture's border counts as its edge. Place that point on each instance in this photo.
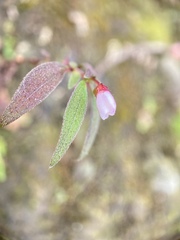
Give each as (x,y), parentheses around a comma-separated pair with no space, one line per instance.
(73,79)
(34,88)
(92,131)
(72,120)
(73,64)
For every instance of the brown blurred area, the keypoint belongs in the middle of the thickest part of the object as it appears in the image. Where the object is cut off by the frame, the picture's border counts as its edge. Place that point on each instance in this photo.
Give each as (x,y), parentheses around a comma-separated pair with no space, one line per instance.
(129,186)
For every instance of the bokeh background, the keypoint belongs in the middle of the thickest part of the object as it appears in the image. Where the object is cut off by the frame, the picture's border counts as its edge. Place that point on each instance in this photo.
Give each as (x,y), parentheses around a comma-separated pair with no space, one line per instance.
(129,185)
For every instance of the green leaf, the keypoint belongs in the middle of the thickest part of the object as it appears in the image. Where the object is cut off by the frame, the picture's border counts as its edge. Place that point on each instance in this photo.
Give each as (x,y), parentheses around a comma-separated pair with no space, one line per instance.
(73,79)
(92,131)
(72,120)
(73,64)
(2,170)
(3,148)
(175,125)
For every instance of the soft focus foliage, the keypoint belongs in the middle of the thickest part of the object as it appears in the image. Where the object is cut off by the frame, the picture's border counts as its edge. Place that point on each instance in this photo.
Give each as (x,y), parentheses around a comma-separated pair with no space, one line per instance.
(3,149)
(129,185)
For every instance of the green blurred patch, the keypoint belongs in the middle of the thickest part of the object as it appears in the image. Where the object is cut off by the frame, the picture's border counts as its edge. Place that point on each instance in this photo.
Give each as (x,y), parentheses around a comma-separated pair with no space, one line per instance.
(150,104)
(8,47)
(3,150)
(27,4)
(175,125)
(9,40)
(152,24)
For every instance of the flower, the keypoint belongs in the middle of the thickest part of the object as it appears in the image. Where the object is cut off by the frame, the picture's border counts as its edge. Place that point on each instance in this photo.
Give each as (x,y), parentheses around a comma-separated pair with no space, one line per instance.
(105,101)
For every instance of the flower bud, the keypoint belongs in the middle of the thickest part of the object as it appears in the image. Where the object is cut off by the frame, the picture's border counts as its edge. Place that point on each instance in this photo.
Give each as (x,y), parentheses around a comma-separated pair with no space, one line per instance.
(105,101)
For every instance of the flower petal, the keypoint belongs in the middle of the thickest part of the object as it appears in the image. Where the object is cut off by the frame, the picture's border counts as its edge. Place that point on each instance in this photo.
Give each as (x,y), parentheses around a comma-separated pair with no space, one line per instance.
(105,104)
(102,108)
(110,102)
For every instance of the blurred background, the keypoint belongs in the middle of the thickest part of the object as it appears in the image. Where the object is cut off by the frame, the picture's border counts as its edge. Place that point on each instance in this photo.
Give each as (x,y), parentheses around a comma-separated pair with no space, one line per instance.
(129,185)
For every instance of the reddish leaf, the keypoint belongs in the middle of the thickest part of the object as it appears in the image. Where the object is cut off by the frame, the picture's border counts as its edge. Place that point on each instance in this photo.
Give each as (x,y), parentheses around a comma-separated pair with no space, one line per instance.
(34,88)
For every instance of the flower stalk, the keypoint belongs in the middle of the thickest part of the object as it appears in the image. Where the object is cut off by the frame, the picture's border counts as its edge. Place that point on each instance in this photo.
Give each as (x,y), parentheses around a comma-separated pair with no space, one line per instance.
(105,101)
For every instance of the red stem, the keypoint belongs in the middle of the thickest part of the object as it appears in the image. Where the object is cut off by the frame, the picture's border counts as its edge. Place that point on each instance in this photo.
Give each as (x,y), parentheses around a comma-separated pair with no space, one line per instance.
(95,80)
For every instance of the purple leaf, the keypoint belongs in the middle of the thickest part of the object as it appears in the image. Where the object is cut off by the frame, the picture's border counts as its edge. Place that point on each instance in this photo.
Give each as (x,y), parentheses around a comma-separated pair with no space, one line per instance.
(35,87)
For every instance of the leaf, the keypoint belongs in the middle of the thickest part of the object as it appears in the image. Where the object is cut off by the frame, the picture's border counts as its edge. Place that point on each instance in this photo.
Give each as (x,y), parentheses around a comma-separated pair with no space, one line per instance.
(73,79)
(92,131)
(34,88)
(72,120)
(3,149)
(73,64)
(2,170)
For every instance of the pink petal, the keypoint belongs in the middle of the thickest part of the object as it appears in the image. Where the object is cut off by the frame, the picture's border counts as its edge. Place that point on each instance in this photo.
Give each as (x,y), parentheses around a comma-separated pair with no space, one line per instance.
(110,102)
(105,104)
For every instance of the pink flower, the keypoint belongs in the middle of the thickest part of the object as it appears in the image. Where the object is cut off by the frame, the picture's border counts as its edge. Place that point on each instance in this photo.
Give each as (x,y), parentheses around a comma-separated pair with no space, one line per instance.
(105,101)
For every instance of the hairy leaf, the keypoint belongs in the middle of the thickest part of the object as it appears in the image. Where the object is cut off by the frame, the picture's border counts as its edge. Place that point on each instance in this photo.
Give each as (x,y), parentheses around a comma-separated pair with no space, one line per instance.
(92,131)
(72,120)
(34,88)
(73,79)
